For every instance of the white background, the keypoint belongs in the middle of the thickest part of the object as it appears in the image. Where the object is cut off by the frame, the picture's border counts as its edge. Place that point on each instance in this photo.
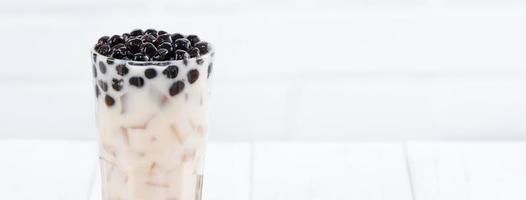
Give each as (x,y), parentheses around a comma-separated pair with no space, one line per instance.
(286,69)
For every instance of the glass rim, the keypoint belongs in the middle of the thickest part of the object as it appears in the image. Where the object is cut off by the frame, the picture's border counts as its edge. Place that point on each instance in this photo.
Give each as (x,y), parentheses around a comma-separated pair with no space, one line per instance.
(150,63)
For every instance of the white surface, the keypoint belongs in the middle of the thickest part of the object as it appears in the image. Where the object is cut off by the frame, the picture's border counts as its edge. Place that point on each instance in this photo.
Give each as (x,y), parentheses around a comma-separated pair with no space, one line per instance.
(347,70)
(51,170)
(329,171)
(54,170)
(460,171)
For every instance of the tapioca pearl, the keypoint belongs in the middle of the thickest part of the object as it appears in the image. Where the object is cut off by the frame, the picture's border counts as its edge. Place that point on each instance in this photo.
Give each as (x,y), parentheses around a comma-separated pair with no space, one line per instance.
(210,66)
(176,36)
(122,69)
(117,84)
(199,61)
(136,32)
(115,40)
(94,58)
(140,57)
(148,39)
(203,47)
(97,91)
(162,39)
(194,52)
(110,61)
(181,55)
(104,50)
(192,75)
(162,54)
(94,71)
(171,71)
(151,31)
(149,49)
(166,45)
(134,45)
(193,39)
(103,85)
(119,53)
(182,44)
(136,81)
(176,88)
(150,73)
(102,67)
(109,100)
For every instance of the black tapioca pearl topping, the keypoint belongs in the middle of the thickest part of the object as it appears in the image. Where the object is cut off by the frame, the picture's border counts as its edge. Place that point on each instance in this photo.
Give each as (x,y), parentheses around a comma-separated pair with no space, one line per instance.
(181,55)
(102,67)
(194,52)
(148,38)
(104,49)
(103,85)
(199,61)
(109,100)
(182,44)
(149,49)
(127,45)
(129,55)
(165,45)
(202,46)
(97,91)
(117,84)
(151,31)
(119,53)
(104,39)
(171,71)
(116,39)
(134,45)
(176,36)
(94,71)
(161,55)
(122,69)
(210,66)
(192,75)
(176,88)
(110,61)
(136,32)
(150,73)
(119,46)
(136,81)
(140,57)
(126,36)
(193,39)
(163,38)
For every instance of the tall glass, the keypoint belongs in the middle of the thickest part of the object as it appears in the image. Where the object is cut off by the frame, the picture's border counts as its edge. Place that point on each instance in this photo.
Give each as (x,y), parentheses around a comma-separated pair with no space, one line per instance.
(153,121)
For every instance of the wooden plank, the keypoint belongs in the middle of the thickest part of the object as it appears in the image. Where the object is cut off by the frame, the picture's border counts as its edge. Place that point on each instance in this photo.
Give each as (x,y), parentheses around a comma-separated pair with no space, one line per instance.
(33,169)
(330,171)
(227,172)
(462,171)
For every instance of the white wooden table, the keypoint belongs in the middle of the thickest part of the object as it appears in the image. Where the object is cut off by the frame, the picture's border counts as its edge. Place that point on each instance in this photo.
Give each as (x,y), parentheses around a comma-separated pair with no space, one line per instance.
(67,170)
